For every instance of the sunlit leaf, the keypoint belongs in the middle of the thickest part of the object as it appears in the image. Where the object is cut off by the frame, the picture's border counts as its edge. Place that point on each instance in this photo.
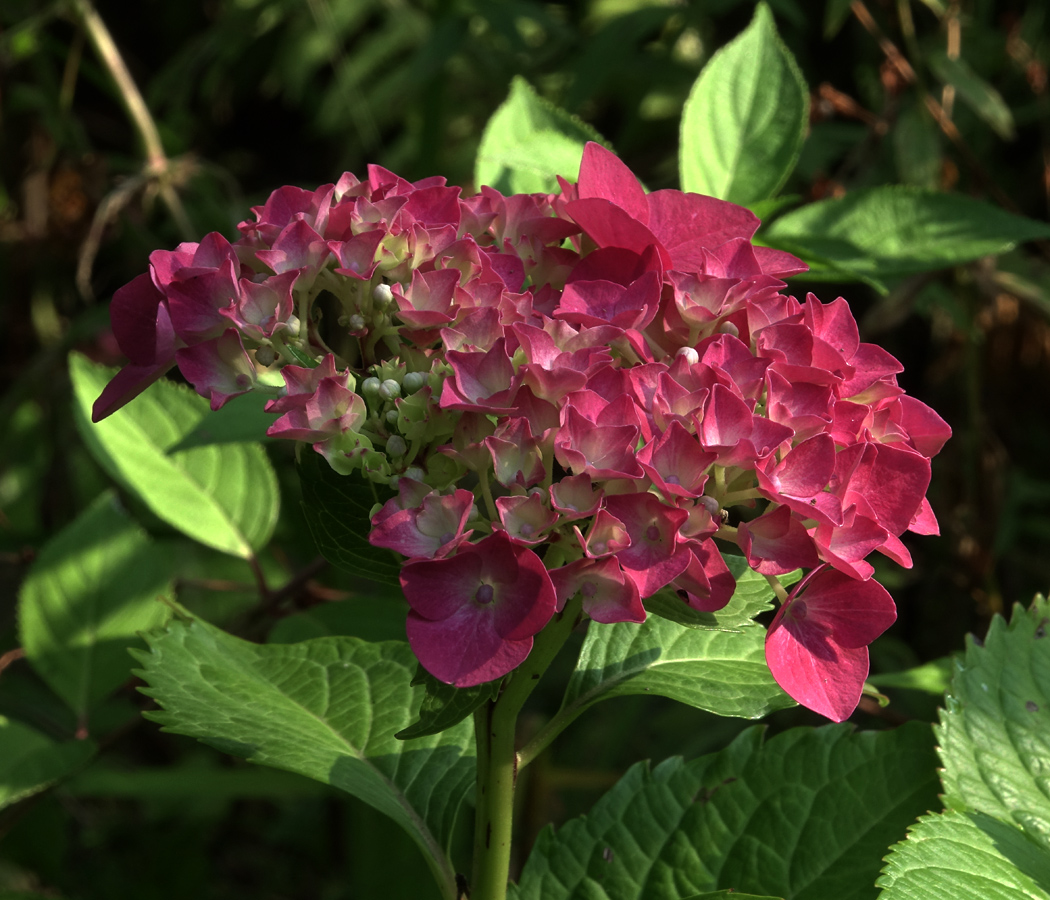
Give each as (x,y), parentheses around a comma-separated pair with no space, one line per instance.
(744,121)
(966,856)
(223,496)
(528,142)
(887,231)
(721,671)
(328,709)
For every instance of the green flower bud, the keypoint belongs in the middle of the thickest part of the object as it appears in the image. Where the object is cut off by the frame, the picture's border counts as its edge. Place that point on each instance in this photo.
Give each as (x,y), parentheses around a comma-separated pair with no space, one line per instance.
(389,389)
(396,446)
(413,381)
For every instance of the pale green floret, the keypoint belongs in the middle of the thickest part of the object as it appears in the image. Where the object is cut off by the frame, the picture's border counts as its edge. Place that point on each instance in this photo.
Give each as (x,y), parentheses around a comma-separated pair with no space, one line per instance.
(370,388)
(413,381)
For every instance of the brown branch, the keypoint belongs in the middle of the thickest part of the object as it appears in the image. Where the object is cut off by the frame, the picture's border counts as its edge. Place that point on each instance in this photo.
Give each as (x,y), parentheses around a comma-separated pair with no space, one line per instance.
(157,163)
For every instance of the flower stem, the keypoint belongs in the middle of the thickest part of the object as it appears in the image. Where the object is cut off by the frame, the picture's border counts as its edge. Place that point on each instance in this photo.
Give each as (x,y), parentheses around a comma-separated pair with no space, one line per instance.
(495,729)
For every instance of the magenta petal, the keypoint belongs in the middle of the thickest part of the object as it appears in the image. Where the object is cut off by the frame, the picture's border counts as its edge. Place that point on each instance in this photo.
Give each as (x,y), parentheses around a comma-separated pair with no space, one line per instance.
(488,595)
(815,671)
(134,314)
(603,175)
(125,386)
(777,543)
(436,588)
(610,226)
(856,612)
(461,651)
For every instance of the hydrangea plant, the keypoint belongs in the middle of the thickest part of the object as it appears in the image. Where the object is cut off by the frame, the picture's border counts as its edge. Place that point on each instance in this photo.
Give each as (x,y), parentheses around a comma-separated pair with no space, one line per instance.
(558,412)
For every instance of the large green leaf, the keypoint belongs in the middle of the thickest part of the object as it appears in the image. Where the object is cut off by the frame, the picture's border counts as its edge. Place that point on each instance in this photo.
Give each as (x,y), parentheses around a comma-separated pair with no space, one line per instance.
(745,119)
(889,231)
(528,142)
(224,496)
(338,512)
(722,672)
(994,735)
(92,589)
(328,709)
(966,856)
(807,814)
(31,762)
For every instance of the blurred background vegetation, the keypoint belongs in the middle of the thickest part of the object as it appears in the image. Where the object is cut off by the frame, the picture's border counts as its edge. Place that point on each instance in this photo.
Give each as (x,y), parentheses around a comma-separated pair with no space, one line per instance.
(247,95)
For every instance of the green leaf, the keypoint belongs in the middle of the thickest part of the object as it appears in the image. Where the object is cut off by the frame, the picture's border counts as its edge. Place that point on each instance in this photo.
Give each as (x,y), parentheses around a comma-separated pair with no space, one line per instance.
(528,142)
(887,231)
(835,14)
(722,672)
(445,705)
(241,420)
(808,814)
(371,618)
(31,762)
(752,596)
(917,147)
(93,587)
(965,856)
(223,496)
(338,513)
(932,677)
(975,92)
(745,119)
(994,735)
(328,709)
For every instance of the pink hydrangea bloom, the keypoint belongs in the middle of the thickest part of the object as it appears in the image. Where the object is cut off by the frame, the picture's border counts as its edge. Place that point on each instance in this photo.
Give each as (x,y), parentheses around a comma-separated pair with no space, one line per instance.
(611,386)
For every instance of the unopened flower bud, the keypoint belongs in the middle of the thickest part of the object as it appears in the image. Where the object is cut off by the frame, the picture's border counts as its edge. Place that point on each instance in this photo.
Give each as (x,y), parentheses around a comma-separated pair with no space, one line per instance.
(729,328)
(293,324)
(413,382)
(370,387)
(389,389)
(396,446)
(392,416)
(690,355)
(265,356)
(356,322)
(382,294)
(415,473)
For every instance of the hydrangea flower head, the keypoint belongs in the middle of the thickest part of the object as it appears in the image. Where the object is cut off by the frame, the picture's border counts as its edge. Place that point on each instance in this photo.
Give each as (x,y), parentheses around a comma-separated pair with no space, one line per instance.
(591,394)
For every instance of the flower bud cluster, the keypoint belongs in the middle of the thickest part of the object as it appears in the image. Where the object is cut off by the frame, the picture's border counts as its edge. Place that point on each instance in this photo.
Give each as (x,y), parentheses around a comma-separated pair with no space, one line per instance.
(582,395)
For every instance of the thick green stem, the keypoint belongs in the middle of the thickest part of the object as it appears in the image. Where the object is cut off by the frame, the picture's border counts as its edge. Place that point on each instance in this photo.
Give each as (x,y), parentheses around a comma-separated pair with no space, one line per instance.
(495,728)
